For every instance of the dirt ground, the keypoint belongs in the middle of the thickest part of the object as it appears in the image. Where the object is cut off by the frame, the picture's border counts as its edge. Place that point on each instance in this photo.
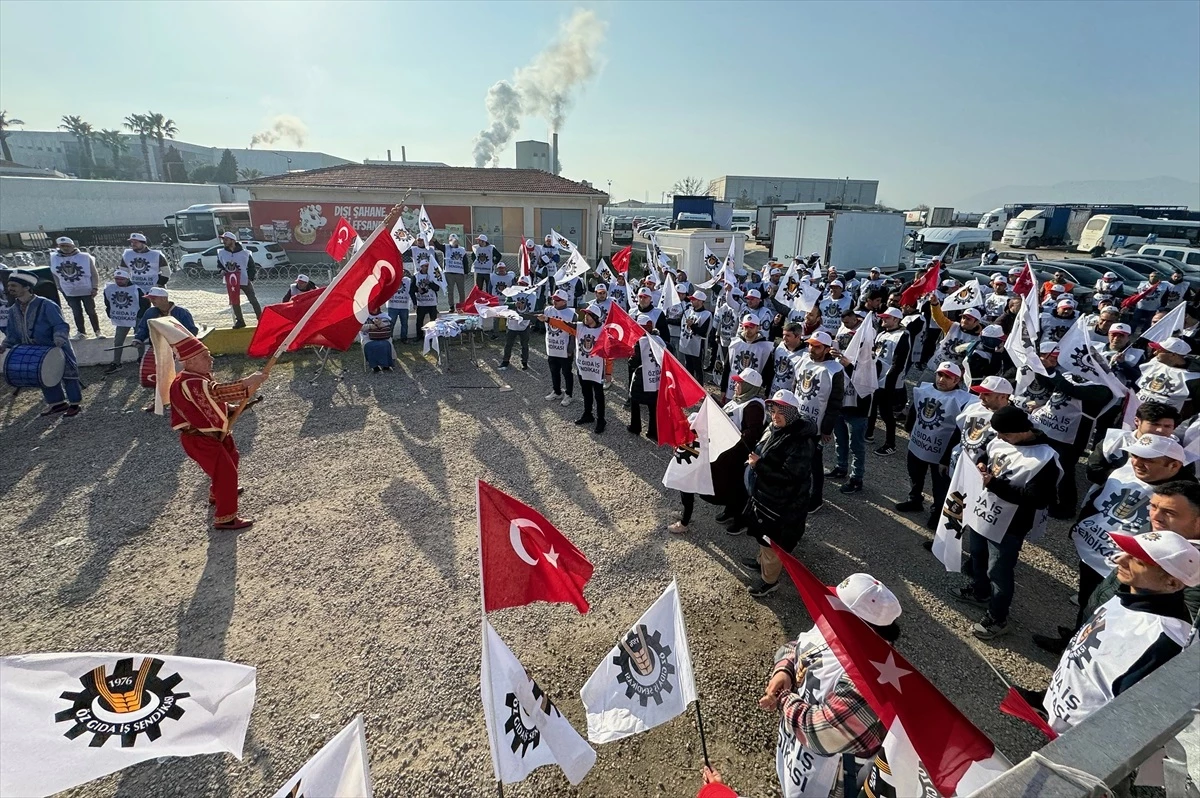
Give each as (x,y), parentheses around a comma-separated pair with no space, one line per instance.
(357,588)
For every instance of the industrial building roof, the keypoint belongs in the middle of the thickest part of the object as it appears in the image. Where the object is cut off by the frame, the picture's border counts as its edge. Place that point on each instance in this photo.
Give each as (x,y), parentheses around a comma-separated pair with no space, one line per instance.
(429,178)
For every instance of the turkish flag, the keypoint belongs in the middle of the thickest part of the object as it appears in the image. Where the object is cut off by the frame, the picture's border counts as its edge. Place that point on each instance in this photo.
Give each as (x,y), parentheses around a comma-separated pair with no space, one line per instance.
(1024,283)
(677,391)
(524,257)
(1129,302)
(476,295)
(925,284)
(233,287)
(279,320)
(911,708)
(620,261)
(523,557)
(619,335)
(1015,704)
(341,239)
(335,317)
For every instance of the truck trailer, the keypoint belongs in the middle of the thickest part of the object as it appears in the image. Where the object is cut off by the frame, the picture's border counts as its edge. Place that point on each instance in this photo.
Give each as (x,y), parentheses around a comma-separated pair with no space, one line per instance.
(845,239)
(765,216)
(719,212)
(1058,225)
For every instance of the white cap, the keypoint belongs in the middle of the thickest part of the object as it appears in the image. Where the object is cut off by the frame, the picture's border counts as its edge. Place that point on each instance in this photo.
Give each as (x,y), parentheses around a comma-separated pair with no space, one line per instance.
(1046,347)
(1015,270)
(820,337)
(1057,288)
(874,270)
(528,242)
(501,264)
(595,310)
(1156,446)
(775,272)
(1175,345)
(64,240)
(993,331)
(137,237)
(1111,276)
(454,237)
(24,278)
(561,294)
(973,313)
(1170,551)
(949,367)
(749,376)
(229,235)
(838,283)
(1121,327)
(993,384)
(646,292)
(523,280)
(302,278)
(999,278)
(785,397)
(156,291)
(699,295)
(750,320)
(121,273)
(643,319)
(754,292)
(949,283)
(895,313)
(481,237)
(869,599)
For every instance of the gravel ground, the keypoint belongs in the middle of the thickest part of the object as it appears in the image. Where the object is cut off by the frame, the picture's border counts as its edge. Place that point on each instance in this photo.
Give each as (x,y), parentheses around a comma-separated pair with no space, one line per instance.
(357,590)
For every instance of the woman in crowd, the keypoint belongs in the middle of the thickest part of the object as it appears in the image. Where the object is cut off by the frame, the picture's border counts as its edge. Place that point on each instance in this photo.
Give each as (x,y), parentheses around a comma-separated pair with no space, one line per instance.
(377,348)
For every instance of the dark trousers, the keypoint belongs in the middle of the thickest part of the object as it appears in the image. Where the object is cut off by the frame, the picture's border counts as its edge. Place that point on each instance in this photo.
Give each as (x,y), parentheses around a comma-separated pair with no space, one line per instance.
(423,313)
(248,290)
(483,281)
(560,373)
(635,413)
(78,305)
(712,348)
(992,567)
(1066,501)
(695,366)
(511,337)
(817,493)
(917,468)
(592,392)
(884,405)
(689,505)
(1089,580)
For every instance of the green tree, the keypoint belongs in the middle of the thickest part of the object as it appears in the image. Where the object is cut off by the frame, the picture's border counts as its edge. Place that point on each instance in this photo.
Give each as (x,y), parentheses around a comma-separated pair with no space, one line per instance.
(5,124)
(249,174)
(140,124)
(227,169)
(174,167)
(162,129)
(117,145)
(205,173)
(84,133)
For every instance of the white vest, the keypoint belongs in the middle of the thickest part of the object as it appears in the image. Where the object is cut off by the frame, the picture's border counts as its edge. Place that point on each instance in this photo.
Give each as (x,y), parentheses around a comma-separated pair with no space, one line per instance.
(990,515)
(1162,383)
(814,386)
(589,368)
(1107,646)
(122,304)
(619,293)
(787,363)
(401,299)
(975,425)
(425,295)
(501,281)
(483,258)
(885,348)
(651,368)
(690,342)
(1059,416)
(954,345)
(240,260)
(1053,328)
(423,255)
(831,312)
(73,273)
(995,305)
(744,355)
(454,260)
(726,319)
(936,413)
(1122,504)
(736,410)
(143,267)
(804,773)
(558,342)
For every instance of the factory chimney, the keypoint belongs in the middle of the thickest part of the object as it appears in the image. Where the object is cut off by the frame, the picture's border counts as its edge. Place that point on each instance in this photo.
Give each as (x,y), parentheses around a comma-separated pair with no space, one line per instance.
(389,156)
(403,155)
(554,154)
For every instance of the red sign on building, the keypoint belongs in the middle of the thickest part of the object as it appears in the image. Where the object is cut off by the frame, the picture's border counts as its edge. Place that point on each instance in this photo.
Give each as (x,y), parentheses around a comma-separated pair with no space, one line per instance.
(306,226)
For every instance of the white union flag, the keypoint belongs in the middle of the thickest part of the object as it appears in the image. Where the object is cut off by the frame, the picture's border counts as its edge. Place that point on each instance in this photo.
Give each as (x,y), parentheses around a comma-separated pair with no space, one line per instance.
(950,540)
(646,679)
(339,770)
(690,469)
(525,729)
(66,719)
(969,296)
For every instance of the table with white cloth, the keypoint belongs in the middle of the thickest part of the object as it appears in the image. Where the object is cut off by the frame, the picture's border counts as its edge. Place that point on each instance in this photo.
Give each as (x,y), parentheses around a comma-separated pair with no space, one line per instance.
(447,326)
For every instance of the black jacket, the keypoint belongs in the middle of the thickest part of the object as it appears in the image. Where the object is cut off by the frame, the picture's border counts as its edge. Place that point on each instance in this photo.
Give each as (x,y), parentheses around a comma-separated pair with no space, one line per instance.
(1037,494)
(781,480)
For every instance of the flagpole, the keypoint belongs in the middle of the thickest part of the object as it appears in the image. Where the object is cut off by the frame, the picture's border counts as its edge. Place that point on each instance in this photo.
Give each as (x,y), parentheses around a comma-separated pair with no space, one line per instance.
(700,723)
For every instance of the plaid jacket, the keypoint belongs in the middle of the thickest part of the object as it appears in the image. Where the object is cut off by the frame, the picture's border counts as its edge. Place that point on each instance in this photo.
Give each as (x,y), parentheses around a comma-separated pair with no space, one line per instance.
(843,723)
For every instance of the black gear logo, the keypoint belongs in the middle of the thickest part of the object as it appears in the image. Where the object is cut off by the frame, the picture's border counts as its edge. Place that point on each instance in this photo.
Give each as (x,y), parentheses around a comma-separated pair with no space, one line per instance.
(1087,640)
(122,299)
(783,369)
(140,265)
(124,703)
(686,454)
(975,432)
(645,665)
(930,413)
(1083,362)
(1129,509)
(526,735)
(69,270)
(586,342)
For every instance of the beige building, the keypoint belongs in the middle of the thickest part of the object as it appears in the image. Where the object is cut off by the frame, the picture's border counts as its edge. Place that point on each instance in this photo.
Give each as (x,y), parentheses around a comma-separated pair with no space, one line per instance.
(300,209)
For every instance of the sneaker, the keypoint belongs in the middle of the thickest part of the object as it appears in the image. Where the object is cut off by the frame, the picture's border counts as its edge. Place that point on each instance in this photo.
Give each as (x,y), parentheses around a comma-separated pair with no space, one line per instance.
(752,563)
(566,400)
(678,528)
(503,367)
(927,545)
(885,451)
(870,436)
(586,418)
(736,528)
(113,368)
(633,430)
(815,507)
(524,367)
(550,397)
(989,628)
(836,473)
(724,517)
(762,589)
(78,336)
(235,524)
(99,335)
(909,506)
(237,325)
(853,486)
(601,425)
(966,594)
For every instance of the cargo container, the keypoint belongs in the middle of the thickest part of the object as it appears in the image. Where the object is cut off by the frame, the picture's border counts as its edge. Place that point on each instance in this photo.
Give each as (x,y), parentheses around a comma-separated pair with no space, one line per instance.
(718,211)
(845,239)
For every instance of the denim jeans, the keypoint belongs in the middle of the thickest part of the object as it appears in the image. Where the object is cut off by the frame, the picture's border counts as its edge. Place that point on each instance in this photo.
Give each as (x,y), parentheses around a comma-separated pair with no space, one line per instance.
(850,444)
(399,315)
(992,566)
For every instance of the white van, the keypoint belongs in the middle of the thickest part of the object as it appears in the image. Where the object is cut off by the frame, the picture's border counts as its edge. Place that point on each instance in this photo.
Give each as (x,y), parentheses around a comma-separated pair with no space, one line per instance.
(952,244)
(1186,255)
(994,222)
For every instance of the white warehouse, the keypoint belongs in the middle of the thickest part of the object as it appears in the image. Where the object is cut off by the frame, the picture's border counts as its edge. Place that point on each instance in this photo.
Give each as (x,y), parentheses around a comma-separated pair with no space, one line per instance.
(750,191)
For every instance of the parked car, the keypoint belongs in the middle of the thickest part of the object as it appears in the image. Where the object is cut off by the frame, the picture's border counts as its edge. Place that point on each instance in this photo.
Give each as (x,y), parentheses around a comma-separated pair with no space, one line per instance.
(905,276)
(46,287)
(268,257)
(1018,256)
(1189,256)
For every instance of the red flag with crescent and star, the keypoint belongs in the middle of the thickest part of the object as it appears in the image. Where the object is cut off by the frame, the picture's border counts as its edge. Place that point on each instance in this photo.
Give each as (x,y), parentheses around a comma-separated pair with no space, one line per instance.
(927,283)
(341,239)
(1024,282)
(523,557)
(677,391)
(620,261)
(619,335)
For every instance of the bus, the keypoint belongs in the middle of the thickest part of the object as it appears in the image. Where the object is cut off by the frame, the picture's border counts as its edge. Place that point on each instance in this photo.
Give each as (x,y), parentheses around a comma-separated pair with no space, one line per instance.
(1106,232)
(199,227)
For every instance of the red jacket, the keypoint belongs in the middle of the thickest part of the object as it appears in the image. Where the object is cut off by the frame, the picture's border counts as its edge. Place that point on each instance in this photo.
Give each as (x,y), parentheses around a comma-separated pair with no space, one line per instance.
(716,791)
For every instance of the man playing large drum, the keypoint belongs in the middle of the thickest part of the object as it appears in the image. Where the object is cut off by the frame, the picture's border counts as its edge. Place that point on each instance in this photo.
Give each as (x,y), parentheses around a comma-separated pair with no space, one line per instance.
(35,328)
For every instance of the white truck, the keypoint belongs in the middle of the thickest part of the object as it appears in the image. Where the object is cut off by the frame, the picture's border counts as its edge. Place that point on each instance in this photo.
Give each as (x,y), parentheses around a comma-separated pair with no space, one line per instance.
(845,239)
(995,220)
(687,248)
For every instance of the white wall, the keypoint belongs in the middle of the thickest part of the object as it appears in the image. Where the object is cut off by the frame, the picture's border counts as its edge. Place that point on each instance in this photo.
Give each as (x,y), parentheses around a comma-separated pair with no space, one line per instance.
(30,203)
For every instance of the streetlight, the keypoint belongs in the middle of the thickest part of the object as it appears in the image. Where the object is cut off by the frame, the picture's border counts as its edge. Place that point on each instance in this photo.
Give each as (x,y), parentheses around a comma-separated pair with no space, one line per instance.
(284,157)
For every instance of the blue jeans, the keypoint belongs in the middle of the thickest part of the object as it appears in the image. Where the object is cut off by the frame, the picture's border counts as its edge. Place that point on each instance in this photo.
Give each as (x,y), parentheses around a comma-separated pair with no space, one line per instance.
(850,444)
(992,565)
(402,316)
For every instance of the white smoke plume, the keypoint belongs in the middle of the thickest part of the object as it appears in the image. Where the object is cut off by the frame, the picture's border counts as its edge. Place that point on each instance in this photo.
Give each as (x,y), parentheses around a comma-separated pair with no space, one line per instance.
(546,87)
(282,127)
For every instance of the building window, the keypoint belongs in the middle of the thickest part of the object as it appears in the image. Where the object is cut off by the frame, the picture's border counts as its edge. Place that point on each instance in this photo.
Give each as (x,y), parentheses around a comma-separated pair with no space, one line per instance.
(567,222)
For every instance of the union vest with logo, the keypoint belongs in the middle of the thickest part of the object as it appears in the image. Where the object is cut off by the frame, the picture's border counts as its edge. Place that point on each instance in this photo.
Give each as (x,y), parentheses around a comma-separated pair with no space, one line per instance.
(143,267)
(122,304)
(975,425)
(651,369)
(455,256)
(885,348)
(483,258)
(814,385)
(589,368)
(804,773)
(74,272)
(1060,416)
(936,413)
(1103,651)
(1121,504)
(690,342)
(1162,383)
(787,363)
(743,355)
(831,312)
(558,342)
(235,261)
(954,345)
(992,516)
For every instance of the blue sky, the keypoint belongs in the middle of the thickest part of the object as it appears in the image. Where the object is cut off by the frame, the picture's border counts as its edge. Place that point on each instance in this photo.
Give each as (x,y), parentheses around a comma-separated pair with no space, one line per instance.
(938,101)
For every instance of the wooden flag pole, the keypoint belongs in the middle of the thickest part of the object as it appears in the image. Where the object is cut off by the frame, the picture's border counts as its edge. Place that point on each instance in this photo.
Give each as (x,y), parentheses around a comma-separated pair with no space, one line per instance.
(703,743)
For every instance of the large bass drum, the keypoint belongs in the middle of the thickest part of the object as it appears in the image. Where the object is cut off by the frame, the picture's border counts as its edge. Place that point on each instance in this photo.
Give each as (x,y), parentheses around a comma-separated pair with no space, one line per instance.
(33,366)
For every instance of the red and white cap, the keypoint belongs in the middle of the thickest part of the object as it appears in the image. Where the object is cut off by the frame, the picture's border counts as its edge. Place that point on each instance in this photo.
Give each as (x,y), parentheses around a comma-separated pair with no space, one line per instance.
(561,295)
(750,321)
(755,293)
(838,283)
(820,337)
(1120,327)
(974,313)
(646,292)
(1170,551)
(1173,345)
(869,599)
(993,384)
(785,397)
(750,377)
(699,295)
(949,367)
(1065,302)
(895,313)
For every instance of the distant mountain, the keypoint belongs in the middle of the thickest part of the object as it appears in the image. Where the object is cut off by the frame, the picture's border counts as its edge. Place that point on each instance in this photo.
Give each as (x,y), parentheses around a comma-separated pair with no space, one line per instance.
(1150,191)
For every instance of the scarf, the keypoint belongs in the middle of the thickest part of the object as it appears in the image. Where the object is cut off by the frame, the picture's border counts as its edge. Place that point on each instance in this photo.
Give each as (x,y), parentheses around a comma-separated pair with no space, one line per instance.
(748,392)
(790,415)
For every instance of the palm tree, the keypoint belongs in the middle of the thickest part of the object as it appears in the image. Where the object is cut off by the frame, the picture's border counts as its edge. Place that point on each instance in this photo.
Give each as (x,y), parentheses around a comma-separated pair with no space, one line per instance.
(140,124)
(116,143)
(161,128)
(6,123)
(249,174)
(85,133)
